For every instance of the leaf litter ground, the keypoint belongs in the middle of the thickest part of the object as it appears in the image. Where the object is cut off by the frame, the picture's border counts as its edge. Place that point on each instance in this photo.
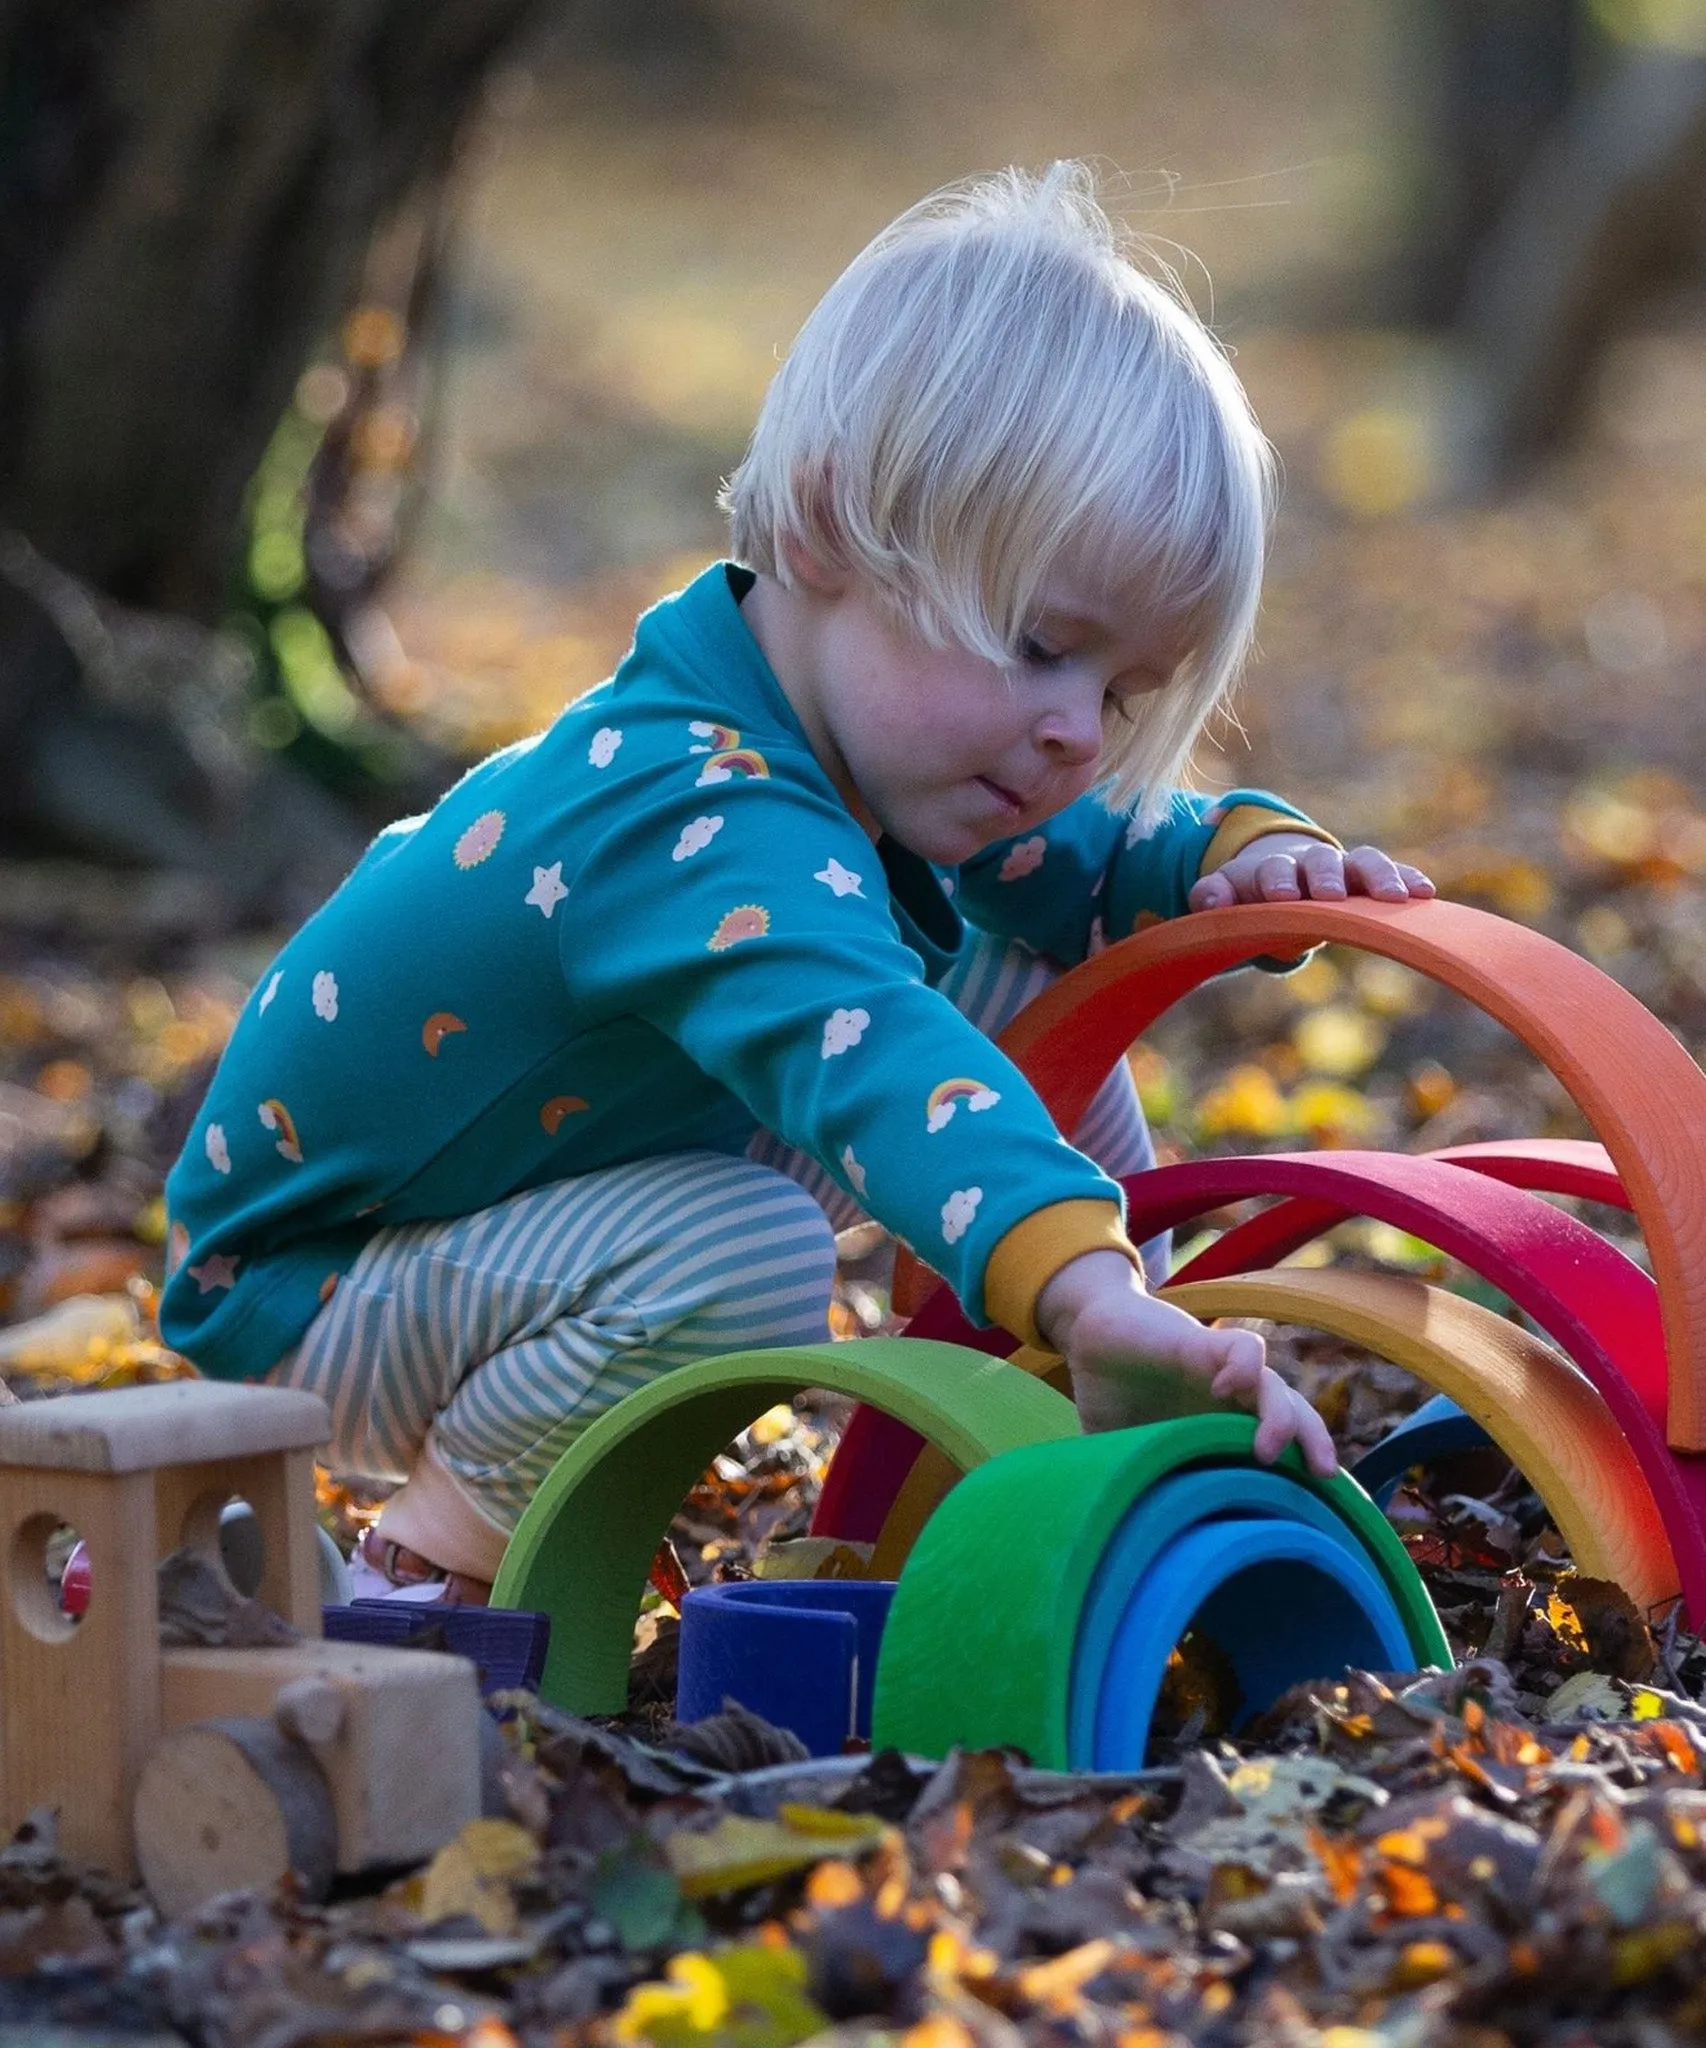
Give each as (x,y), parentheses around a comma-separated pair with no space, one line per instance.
(1513,1851)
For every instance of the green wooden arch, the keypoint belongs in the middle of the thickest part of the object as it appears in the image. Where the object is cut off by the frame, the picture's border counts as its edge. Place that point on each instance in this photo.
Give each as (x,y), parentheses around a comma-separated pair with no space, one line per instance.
(582,1549)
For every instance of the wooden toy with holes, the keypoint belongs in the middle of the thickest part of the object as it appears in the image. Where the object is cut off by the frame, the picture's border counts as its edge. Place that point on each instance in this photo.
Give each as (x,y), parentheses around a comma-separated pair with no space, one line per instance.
(206,1769)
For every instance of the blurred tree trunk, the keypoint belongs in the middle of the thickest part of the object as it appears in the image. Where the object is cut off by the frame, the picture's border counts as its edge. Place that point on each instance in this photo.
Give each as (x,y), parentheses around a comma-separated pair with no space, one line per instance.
(1611,208)
(188,191)
(1565,183)
(1504,72)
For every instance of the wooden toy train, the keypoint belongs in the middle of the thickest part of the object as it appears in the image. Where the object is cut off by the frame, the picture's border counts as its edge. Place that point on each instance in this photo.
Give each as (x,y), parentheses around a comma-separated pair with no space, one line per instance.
(206,1767)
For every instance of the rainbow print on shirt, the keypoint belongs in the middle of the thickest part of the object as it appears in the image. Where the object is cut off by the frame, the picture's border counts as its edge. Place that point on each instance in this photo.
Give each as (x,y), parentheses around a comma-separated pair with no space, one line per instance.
(945,1098)
(732,762)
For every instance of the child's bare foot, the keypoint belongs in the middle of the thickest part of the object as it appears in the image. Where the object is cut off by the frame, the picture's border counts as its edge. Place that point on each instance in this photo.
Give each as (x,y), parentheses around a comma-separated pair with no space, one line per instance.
(406,1570)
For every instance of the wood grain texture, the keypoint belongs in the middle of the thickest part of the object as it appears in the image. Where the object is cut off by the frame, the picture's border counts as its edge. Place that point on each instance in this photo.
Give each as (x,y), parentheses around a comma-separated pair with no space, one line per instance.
(1549,1166)
(1542,1414)
(135,1473)
(1642,1095)
(79,1702)
(229,1806)
(907,1479)
(403,1765)
(183,1422)
(1595,1304)
(279,1486)
(582,1550)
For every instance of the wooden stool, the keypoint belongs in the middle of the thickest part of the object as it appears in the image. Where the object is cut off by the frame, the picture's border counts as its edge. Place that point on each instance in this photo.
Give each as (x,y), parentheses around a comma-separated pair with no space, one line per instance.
(136,1473)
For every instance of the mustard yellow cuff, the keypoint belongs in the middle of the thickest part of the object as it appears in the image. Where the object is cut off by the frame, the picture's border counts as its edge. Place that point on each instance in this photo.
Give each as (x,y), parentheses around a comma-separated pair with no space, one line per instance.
(1036,1248)
(1247,822)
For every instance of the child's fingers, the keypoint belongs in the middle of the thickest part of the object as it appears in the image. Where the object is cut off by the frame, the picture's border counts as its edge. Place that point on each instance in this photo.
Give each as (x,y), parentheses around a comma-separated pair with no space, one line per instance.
(1323,870)
(1276,878)
(1314,1438)
(1284,1417)
(1415,881)
(1375,874)
(1237,1359)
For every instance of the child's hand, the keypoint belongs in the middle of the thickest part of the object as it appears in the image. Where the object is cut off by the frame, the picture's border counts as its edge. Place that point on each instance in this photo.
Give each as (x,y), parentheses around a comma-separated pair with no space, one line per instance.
(1284,867)
(1135,1359)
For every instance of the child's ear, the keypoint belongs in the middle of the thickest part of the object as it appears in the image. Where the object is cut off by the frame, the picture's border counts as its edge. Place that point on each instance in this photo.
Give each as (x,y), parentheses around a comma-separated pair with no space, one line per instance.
(812,571)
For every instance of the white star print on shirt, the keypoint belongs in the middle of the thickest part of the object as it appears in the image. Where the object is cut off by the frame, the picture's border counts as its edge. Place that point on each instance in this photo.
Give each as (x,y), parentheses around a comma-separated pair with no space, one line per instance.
(842,881)
(547,891)
(220,1270)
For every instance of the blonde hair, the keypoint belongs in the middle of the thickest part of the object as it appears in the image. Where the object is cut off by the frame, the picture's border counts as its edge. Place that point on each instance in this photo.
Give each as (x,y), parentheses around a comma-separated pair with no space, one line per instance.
(992,391)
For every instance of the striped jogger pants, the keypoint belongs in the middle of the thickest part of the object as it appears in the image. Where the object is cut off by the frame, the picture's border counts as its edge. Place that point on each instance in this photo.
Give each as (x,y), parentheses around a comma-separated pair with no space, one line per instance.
(464,1357)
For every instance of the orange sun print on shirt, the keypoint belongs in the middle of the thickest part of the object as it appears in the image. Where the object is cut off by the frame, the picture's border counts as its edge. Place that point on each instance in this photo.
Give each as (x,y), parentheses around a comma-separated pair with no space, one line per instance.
(745,921)
(479,841)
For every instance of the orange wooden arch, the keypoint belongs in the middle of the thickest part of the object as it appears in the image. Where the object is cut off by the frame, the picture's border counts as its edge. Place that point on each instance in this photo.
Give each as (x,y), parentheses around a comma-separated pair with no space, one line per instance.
(1642,1095)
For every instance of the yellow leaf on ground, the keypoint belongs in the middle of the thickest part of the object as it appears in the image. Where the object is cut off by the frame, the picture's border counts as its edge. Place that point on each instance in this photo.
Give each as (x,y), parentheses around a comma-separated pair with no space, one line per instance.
(738,1851)
(1376,462)
(1422,1962)
(752,1996)
(473,1875)
(1329,1113)
(815,1557)
(76,1338)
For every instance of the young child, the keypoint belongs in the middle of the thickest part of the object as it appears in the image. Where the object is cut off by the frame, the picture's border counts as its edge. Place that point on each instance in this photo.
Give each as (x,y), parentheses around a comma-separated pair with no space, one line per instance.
(569,1081)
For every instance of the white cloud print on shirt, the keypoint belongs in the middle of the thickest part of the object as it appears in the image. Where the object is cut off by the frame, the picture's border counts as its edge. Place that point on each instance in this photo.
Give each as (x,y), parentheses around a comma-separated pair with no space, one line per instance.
(1024,859)
(958,1211)
(695,837)
(842,1028)
(946,1099)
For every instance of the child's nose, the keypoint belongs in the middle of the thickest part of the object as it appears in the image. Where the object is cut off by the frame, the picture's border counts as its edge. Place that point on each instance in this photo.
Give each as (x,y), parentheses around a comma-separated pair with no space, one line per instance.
(1071,730)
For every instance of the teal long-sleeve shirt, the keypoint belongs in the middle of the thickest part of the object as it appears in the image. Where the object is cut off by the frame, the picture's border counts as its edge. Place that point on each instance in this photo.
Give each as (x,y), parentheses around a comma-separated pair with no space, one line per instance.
(654,928)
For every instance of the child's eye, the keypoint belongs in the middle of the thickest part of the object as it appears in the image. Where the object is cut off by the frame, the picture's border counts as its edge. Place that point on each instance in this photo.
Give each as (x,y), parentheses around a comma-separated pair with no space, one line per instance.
(1035,654)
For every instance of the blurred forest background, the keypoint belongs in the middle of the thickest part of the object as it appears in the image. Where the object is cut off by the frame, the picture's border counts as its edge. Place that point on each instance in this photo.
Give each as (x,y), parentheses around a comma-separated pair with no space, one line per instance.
(365,366)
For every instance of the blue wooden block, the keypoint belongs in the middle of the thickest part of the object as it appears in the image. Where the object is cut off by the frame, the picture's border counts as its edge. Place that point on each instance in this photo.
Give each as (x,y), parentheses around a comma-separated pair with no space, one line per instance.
(507,1645)
(800,1652)
(1187,1500)
(1283,1602)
